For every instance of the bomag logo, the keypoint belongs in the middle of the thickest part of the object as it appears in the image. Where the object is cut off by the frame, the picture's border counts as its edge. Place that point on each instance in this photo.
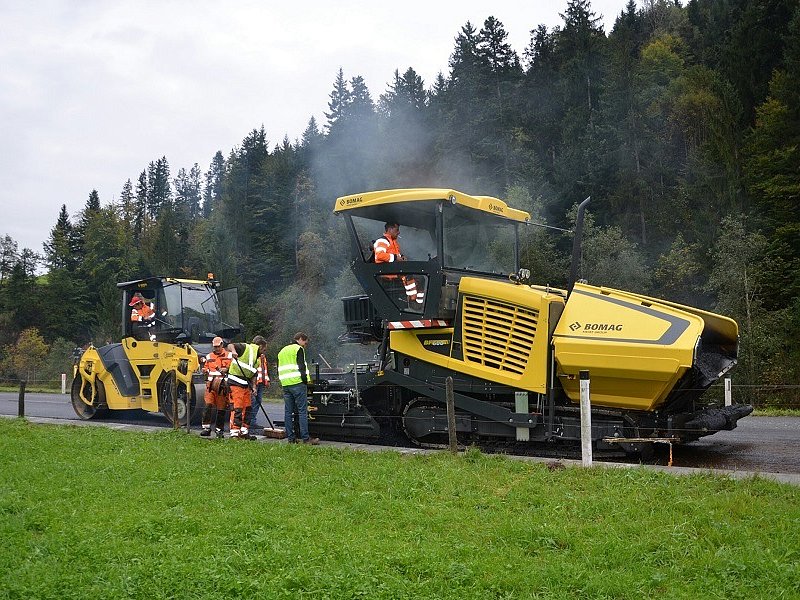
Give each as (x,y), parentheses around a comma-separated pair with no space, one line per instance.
(350,201)
(436,343)
(601,327)
(496,207)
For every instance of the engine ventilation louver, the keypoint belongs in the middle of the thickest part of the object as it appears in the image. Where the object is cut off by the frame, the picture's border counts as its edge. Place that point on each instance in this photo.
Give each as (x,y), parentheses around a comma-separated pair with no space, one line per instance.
(497,334)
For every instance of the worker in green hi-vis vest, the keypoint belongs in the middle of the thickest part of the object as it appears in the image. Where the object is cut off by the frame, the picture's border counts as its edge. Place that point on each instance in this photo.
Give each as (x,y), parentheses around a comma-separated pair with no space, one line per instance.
(294,376)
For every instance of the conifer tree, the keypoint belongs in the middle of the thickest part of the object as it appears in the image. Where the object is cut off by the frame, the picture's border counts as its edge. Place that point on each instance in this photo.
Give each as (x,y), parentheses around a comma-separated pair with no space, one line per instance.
(159,192)
(63,282)
(127,204)
(339,101)
(90,211)
(140,220)
(59,248)
(9,253)
(406,94)
(772,168)
(580,47)
(212,193)
(310,143)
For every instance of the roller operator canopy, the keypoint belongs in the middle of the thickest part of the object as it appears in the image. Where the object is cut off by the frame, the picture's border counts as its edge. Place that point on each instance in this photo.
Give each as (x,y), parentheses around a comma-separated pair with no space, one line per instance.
(155,281)
(378,205)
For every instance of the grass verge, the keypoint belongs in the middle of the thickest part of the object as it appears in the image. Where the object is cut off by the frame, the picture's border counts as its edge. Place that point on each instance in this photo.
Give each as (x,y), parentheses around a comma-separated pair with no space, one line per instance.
(93,512)
(776,412)
(35,388)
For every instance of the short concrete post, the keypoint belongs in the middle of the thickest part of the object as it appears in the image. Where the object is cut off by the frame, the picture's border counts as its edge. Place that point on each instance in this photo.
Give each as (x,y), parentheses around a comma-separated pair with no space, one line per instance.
(586,420)
(521,406)
(728,399)
(63,383)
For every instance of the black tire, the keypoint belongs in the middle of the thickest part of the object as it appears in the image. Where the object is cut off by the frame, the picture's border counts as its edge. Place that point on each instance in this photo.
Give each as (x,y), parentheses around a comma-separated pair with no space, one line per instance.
(83,410)
(165,396)
(423,408)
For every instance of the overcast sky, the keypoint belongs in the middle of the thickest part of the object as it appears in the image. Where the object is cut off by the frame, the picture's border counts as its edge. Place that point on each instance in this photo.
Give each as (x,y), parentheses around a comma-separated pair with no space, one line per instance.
(91,91)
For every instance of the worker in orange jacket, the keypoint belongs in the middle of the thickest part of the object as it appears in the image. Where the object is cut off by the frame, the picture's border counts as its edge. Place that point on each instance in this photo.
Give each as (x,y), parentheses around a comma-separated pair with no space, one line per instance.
(387,250)
(143,316)
(215,368)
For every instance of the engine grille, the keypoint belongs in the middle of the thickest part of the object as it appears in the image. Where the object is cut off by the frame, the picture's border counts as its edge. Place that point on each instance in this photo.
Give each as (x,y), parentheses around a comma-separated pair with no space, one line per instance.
(497,334)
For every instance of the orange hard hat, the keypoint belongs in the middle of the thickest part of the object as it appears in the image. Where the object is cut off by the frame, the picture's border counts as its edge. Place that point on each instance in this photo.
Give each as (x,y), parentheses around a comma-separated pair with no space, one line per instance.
(135,300)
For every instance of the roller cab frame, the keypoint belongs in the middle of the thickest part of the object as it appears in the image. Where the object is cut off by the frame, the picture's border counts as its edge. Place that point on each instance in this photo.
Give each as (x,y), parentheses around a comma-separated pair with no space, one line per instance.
(513,348)
(154,365)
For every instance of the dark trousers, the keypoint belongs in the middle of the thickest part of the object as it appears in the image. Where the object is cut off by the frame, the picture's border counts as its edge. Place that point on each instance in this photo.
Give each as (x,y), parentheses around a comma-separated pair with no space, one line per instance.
(219,421)
(295,400)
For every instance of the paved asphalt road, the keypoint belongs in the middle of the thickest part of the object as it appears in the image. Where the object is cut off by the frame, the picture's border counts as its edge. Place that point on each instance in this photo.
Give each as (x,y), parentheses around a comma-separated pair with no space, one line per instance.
(759,444)
(58,406)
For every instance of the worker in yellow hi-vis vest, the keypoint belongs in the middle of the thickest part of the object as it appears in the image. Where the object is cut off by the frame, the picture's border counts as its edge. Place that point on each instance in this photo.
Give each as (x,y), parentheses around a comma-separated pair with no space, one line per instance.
(241,373)
(294,376)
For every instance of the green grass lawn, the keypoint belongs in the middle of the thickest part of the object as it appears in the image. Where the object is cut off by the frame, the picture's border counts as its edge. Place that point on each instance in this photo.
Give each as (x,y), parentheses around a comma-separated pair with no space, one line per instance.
(97,513)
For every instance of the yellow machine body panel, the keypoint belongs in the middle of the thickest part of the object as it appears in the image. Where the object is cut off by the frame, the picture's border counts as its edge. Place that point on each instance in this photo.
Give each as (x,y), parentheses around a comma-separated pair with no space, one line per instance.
(635,348)
(431,344)
(501,334)
(138,367)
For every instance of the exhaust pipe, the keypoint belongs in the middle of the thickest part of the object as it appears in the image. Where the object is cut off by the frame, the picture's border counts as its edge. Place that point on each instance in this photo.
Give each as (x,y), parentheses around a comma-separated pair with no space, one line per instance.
(576,245)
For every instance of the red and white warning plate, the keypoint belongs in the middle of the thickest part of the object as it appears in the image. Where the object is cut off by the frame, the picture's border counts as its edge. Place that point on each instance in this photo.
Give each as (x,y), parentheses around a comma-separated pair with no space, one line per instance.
(418,324)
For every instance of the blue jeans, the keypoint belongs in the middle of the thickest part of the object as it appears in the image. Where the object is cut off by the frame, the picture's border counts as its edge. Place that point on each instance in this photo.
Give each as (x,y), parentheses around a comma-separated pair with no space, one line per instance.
(256,406)
(295,400)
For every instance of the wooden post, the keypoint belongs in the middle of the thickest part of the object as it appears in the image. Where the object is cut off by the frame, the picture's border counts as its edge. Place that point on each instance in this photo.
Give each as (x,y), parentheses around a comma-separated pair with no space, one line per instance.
(175,423)
(451,415)
(188,406)
(586,421)
(21,406)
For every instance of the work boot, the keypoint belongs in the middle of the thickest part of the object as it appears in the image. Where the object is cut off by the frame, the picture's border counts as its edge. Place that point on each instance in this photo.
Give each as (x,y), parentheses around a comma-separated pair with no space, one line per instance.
(312,441)
(247,436)
(219,433)
(206,432)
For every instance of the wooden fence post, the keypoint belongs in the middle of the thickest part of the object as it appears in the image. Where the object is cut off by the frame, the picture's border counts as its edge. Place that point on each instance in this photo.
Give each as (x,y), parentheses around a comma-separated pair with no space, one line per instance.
(21,405)
(451,415)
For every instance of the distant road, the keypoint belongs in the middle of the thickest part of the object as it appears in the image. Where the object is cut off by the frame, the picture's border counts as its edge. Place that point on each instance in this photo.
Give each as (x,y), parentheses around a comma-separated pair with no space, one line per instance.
(762,444)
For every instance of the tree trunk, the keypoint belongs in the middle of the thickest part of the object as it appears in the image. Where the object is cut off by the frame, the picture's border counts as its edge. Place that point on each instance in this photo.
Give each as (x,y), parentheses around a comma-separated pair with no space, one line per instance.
(749,319)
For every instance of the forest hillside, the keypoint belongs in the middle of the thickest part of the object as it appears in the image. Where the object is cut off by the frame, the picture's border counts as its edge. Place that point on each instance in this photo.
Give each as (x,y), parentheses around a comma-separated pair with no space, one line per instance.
(682,123)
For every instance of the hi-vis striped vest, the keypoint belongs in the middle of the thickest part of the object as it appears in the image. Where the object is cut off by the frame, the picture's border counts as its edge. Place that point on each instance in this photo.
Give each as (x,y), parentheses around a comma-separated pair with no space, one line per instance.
(288,369)
(248,362)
